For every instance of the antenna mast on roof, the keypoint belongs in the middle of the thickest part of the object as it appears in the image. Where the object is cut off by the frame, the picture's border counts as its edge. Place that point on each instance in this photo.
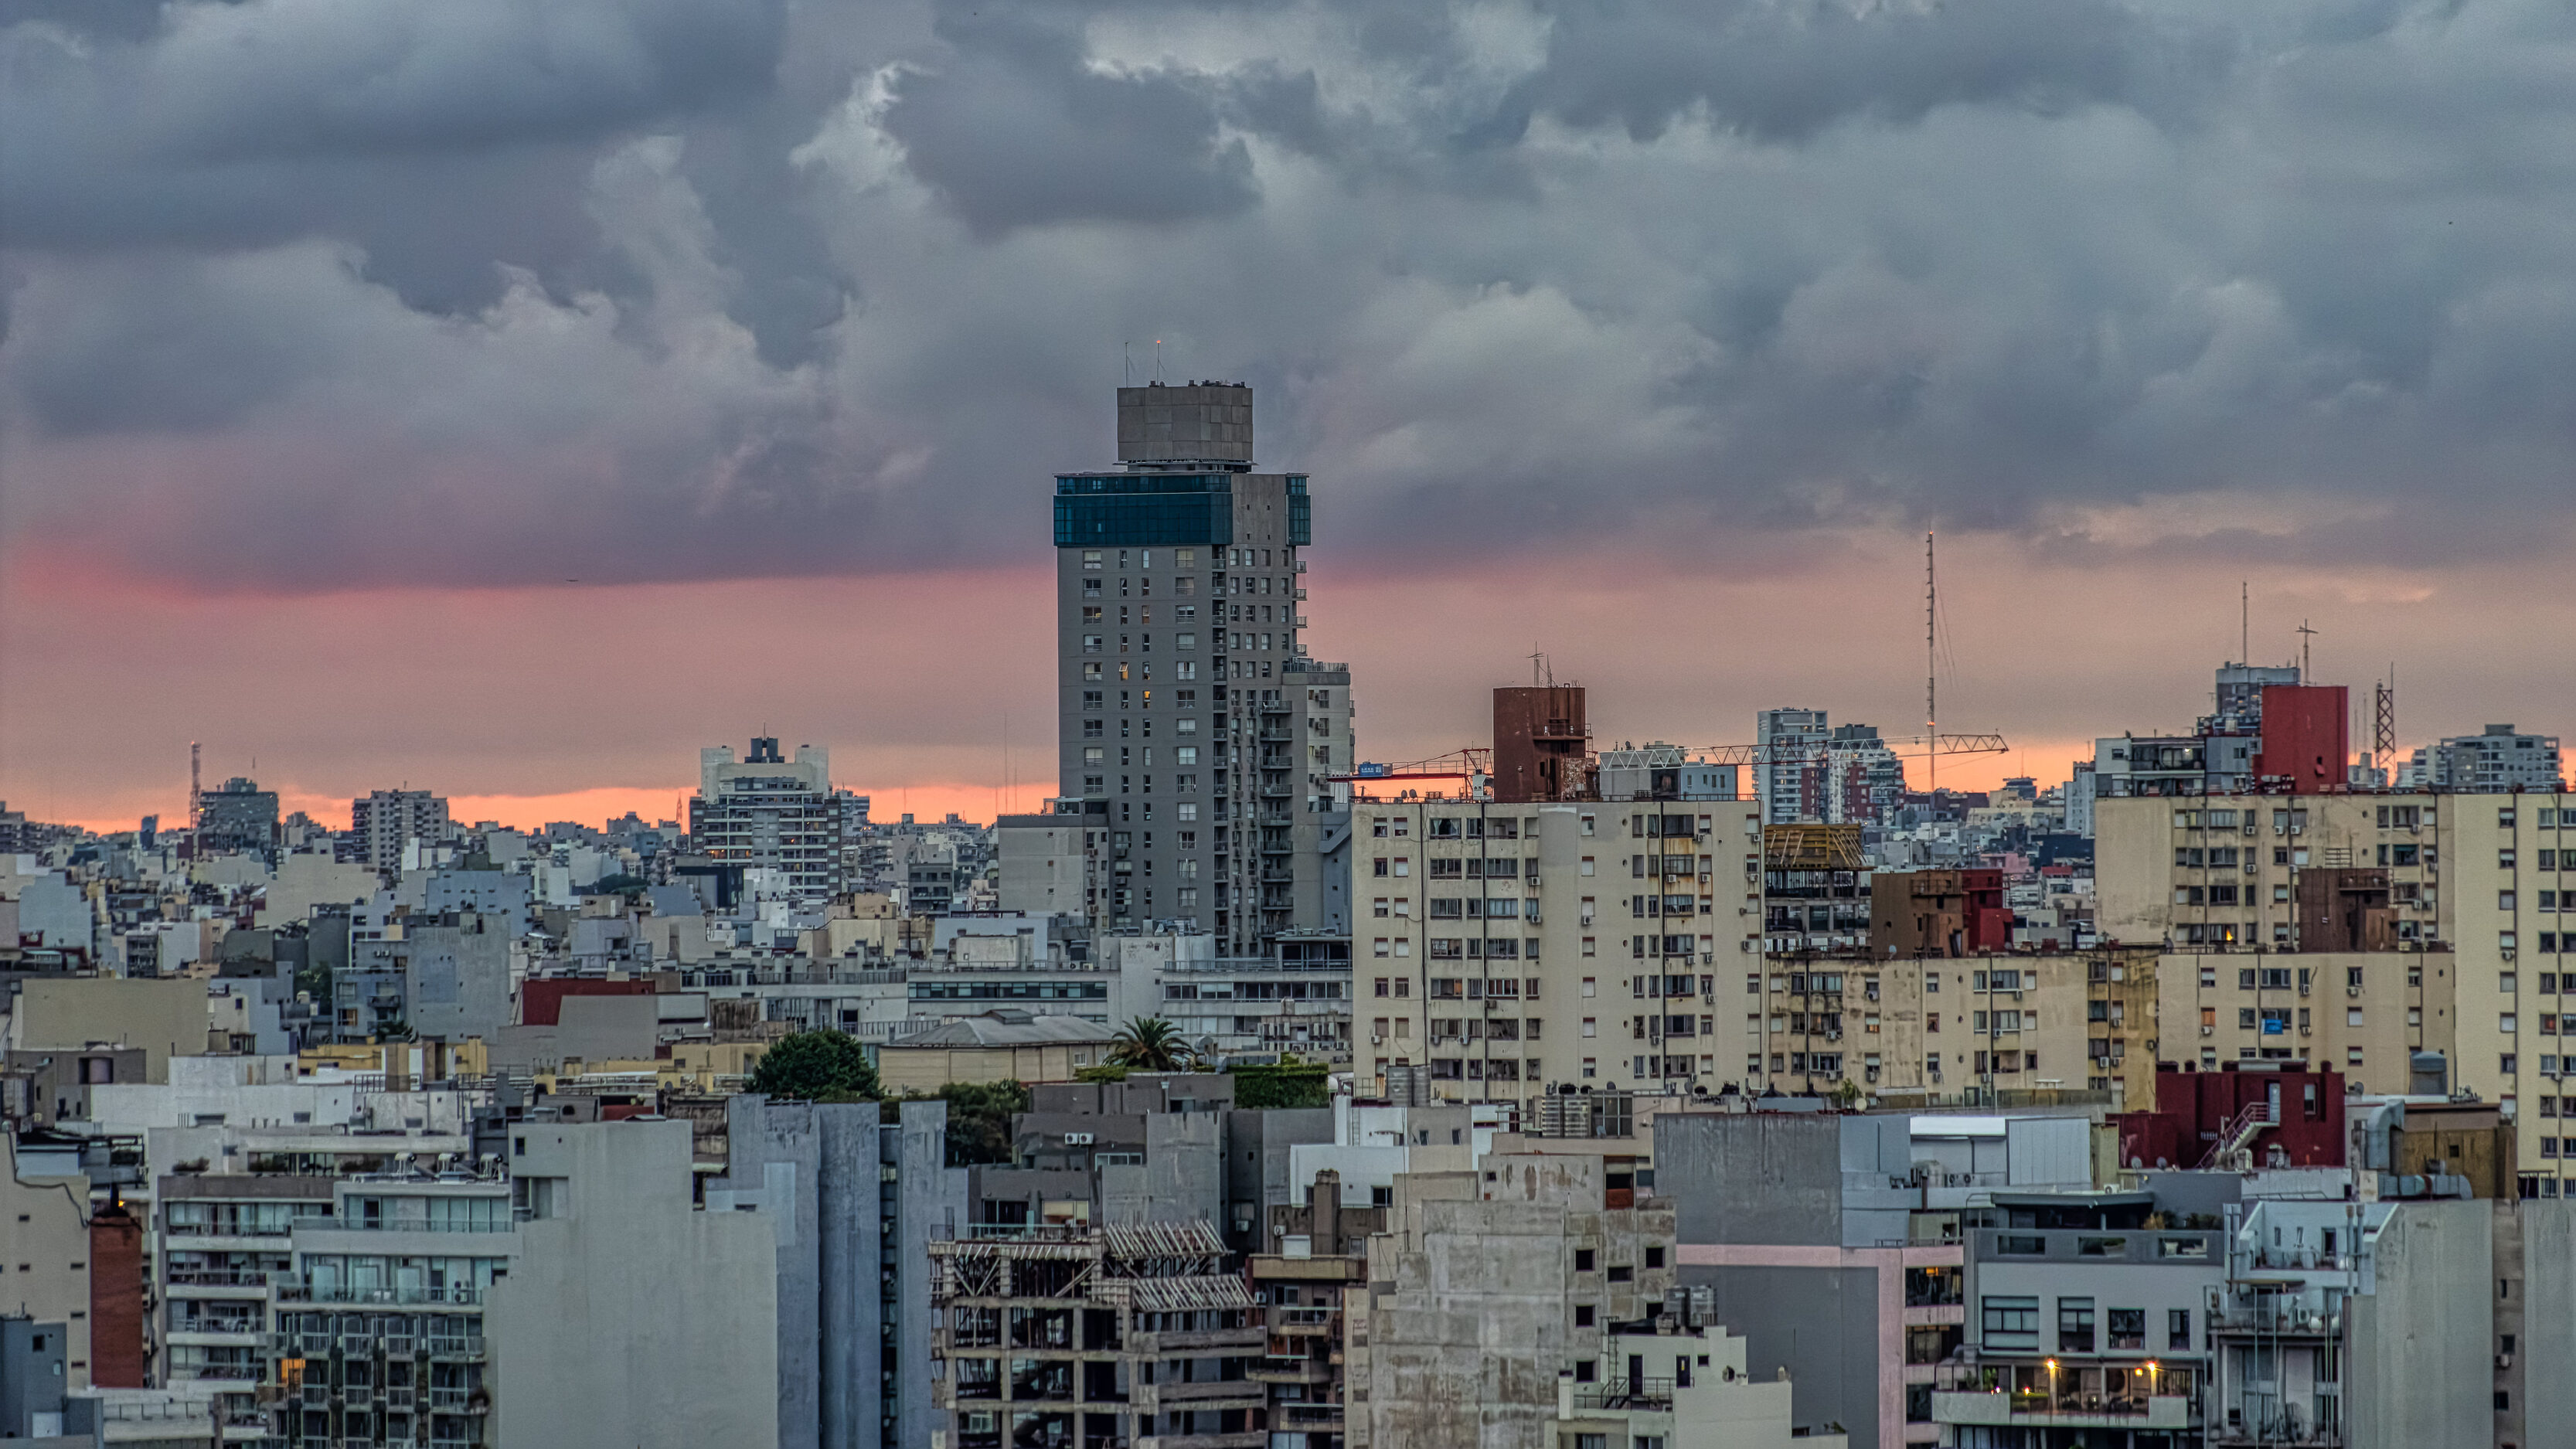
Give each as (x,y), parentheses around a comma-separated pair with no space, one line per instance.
(2383,735)
(1931,669)
(2305,633)
(2244,622)
(196,786)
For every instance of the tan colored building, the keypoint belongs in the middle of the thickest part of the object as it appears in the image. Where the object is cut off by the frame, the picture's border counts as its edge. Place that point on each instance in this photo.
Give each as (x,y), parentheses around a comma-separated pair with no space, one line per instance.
(45,1239)
(2509,910)
(2476,908)
(1497,948)
(2008,1022)
(998,1046)
(167,1018)
(2362,1013)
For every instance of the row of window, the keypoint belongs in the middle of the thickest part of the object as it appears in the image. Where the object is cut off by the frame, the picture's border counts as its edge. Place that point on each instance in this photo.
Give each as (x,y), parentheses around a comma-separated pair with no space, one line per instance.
(1183,699)
(2011,1323)
(1094,559)
(1181,754)
(1455,827)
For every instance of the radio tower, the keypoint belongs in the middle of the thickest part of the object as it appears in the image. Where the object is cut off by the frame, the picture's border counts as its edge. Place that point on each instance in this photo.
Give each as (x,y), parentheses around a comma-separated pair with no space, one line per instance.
(2383,735)
(1931,674)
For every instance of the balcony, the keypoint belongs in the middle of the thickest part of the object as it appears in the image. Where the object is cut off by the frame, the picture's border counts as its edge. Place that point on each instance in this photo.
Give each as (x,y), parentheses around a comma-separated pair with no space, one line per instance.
(345,1293)
(1210,1394)
(1289,1369)
(249,1278)
(1643,1396)
(1995,1407)
(2286,1321)
(1210,1340)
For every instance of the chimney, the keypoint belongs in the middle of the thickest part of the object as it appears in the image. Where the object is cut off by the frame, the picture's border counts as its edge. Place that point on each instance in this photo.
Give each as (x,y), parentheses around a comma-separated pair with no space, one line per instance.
(1324,1210)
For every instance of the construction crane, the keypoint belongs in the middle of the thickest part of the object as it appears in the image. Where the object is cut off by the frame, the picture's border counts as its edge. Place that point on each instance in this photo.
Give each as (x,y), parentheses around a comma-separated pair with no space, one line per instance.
(1470,762)
(1937,745)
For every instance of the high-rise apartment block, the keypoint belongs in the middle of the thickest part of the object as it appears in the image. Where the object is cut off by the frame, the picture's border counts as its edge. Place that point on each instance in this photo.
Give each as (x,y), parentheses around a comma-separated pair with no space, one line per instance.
(771,812)
(2497,761)
(1500,949)
(1788,742)
(1813,771)
(2360,930)
(387,820)
(1228,829)
(239,818)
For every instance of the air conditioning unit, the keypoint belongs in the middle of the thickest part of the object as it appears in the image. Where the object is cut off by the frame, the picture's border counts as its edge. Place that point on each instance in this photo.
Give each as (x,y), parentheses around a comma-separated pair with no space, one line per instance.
(2303,1031)
(2506,952)
(1077,1139)
(2352,991)
(2251,827)
(1377,1039)
(2209,1031)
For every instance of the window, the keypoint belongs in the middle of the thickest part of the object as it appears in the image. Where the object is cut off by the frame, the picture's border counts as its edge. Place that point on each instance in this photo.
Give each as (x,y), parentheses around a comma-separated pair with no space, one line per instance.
(2074,1325)
(1583,1260)
(2128,1329)
(2178,1328)
(2011,1323)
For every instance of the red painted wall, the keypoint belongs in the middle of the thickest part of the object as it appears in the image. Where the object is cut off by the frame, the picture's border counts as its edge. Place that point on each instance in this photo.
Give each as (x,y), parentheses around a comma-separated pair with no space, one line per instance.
(2193,1108)
(115,1299)
(2306,736)
(541,1001)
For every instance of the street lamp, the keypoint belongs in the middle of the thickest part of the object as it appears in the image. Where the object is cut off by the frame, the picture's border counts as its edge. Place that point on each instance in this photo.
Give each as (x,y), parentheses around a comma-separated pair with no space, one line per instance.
(2052,1384)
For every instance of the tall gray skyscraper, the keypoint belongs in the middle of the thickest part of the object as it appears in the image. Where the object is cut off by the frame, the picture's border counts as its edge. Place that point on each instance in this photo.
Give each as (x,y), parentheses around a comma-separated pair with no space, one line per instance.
(1195,734)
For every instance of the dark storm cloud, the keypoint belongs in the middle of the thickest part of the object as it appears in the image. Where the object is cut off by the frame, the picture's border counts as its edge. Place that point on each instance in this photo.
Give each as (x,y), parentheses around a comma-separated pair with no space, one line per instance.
(1785,69)
(312,294)
(1014,129)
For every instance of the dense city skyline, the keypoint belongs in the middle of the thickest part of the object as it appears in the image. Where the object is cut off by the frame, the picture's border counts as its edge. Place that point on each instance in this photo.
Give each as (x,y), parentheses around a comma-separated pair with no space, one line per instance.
(768,323)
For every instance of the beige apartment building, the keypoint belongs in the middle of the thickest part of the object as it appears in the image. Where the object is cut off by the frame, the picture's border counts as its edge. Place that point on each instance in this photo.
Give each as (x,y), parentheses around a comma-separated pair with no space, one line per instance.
(1498,948)
(2012,1022)
(2354,930)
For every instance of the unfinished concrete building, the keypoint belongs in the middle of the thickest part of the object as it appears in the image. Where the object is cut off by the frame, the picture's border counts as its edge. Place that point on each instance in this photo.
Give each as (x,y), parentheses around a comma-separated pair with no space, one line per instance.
(1488,1288)
(1315,1273)
(1095,1338)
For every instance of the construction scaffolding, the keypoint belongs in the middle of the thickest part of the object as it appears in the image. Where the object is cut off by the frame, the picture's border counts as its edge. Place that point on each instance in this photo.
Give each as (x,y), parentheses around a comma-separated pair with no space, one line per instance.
(1065,1337)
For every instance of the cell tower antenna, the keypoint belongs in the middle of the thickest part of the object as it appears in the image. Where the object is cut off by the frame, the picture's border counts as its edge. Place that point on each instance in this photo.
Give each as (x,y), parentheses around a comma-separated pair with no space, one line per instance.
(2383,735)
(2305,633)
(1931,668)
(196,785)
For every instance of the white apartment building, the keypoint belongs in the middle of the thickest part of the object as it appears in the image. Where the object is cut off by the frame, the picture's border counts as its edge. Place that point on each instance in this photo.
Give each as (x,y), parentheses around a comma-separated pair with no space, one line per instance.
(385,821)
(769,811)
(2497,761)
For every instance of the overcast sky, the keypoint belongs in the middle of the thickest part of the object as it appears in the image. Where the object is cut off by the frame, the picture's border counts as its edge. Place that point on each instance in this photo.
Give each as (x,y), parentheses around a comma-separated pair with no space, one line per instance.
(513,397)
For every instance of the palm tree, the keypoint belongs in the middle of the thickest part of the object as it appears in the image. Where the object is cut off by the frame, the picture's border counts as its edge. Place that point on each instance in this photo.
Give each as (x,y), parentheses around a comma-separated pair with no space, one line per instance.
(1150,1044)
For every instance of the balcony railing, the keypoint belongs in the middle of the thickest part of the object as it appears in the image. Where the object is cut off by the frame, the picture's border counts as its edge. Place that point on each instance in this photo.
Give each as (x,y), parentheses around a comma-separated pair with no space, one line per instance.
(346,1293)
(216,1277)
(1650,1395)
